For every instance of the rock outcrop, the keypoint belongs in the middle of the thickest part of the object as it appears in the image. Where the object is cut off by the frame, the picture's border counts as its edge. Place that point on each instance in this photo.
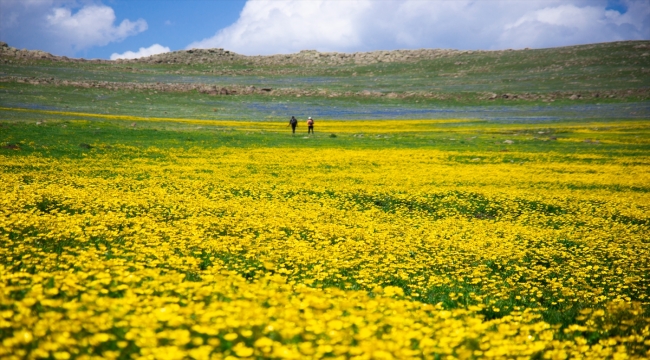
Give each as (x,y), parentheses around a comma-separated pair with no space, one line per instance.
(305,57)
(218,56)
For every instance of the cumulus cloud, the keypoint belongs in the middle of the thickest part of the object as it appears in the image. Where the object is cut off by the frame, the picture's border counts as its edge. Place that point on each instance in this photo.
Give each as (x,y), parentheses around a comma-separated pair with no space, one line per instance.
(92,25)
(571,24)
(151,50)
(284,26)
(63,27)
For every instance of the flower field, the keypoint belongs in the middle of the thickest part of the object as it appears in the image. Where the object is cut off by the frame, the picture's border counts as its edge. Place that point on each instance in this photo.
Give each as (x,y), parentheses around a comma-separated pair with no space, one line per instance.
(353,247)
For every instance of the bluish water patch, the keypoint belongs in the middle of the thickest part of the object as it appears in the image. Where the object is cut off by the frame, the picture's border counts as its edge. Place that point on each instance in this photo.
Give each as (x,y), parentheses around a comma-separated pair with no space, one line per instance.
(492,113)
(31,106)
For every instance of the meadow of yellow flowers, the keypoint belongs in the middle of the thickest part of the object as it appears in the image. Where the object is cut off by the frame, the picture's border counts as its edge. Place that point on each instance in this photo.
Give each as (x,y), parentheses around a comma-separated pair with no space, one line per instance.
(313,251)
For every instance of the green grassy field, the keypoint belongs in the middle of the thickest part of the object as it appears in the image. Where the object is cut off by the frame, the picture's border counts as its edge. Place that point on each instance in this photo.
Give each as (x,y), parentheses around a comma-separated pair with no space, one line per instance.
(63,133)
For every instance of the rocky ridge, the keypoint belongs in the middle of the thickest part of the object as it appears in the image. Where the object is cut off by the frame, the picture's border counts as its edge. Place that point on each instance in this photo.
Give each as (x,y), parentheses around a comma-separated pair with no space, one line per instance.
(24,54)
(304,57)
(215,56)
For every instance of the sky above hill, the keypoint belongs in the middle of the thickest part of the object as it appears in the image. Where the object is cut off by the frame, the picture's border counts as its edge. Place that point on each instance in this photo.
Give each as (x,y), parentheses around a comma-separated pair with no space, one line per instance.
(134,28)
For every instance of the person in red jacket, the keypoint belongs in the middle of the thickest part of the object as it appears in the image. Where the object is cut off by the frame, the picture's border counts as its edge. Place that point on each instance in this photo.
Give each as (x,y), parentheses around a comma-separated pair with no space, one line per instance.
(310,125)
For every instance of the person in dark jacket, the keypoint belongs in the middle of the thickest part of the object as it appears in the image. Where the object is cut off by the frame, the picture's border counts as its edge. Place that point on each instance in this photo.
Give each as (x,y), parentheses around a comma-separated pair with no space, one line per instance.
(310,125)
(293,123)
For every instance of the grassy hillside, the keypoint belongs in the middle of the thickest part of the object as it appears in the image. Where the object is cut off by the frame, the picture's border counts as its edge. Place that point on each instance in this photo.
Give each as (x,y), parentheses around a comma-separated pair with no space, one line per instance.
(378,86)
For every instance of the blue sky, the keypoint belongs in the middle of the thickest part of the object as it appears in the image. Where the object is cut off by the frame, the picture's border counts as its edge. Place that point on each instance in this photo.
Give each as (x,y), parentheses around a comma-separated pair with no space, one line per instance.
(119,28)
(172,23)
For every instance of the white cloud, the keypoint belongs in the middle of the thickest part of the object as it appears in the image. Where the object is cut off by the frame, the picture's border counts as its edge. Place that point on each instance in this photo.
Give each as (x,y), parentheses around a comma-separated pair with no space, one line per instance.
(571,24)
(151,50)
(63,26)
(284,26)
(92,25)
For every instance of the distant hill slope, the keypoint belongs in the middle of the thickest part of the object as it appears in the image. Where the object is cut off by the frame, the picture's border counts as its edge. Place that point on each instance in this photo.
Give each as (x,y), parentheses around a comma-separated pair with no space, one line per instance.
(633,50)
(617,71)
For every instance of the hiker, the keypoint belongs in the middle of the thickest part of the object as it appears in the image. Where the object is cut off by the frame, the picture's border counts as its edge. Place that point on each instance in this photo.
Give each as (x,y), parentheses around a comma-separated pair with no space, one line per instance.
(310,125)
(293,123)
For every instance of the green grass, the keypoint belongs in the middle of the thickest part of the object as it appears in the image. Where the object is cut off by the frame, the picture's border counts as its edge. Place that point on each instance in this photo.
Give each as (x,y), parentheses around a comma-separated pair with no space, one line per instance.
(58,135)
